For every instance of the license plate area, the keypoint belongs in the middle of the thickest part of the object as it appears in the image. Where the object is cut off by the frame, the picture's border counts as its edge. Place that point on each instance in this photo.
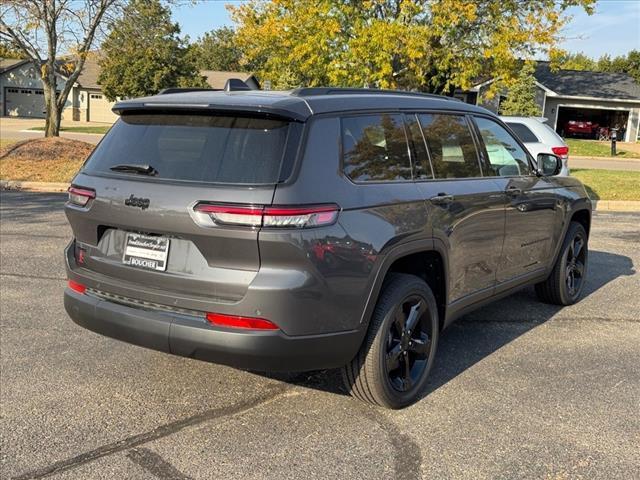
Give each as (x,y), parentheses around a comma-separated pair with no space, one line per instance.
(146,251)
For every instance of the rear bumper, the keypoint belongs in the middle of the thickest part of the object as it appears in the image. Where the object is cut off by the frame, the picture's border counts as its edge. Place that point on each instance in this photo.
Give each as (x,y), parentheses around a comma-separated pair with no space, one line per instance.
(194,337)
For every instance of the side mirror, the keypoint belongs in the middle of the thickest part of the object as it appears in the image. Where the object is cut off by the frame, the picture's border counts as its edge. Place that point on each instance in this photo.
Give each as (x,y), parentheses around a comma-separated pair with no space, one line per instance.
(548,165)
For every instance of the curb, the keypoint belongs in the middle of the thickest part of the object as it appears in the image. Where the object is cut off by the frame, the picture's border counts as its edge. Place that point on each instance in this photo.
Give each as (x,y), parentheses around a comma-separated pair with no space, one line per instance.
(616,205)
(33,186)
(62,132)
(598,205)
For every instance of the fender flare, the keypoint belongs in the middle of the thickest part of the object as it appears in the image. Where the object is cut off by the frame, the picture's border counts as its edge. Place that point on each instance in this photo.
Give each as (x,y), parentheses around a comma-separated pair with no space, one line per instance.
(393,254)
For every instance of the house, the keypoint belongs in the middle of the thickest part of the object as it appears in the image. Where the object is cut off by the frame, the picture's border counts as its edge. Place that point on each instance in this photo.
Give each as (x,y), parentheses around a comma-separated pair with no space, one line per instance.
(21,93)
(609,99)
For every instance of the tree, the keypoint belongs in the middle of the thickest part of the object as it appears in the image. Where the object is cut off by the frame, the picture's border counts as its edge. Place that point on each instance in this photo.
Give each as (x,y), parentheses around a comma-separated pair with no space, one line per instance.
(45,29)
(521,99)
(629,64)
(575,61)
(217,50)
(430,45)
(7,50)
(144,53)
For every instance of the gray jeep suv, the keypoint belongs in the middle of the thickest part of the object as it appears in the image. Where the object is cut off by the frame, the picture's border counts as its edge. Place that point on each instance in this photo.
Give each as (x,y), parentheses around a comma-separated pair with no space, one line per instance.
(313,229)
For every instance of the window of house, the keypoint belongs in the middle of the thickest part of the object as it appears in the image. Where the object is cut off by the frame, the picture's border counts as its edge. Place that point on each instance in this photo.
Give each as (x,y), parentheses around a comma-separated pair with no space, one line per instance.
(375,148)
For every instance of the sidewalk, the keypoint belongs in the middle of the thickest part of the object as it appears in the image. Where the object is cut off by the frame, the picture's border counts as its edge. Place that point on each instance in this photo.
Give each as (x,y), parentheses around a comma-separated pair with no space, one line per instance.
(605,163)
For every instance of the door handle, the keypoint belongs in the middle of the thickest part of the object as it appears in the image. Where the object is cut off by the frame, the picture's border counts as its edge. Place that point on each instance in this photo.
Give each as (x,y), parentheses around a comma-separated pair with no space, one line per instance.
(514,191)
(441,199)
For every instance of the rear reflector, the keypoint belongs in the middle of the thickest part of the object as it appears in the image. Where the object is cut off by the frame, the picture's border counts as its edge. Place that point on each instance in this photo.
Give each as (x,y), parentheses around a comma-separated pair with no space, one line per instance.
(233,321)
(270,217)
(560,151)
(80,196)
(77,287)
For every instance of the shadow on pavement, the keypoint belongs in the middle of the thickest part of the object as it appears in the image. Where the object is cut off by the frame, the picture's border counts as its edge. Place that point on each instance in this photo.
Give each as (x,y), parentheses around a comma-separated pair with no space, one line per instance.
(480,333)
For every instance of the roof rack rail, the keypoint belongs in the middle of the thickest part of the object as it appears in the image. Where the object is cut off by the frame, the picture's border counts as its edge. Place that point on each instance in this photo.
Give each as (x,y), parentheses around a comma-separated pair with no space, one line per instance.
(314,91)
(186,89)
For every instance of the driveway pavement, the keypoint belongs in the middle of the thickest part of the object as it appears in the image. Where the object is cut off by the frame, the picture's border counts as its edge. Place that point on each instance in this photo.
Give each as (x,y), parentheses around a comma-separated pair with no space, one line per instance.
(520,389)
(18,129)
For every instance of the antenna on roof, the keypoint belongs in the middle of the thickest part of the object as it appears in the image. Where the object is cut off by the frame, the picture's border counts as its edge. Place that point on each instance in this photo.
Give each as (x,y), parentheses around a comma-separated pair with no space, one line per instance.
(235,84)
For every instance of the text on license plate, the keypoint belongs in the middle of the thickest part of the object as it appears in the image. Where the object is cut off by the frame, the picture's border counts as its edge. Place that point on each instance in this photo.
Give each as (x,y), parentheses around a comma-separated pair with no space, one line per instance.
(144,251)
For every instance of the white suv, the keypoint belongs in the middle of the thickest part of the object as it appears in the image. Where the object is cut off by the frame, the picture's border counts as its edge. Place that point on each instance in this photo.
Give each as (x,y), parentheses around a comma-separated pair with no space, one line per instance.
(539,137)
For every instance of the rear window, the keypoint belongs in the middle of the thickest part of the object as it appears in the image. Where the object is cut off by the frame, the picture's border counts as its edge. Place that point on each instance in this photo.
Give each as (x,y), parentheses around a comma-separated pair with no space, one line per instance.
(199,148)
(523,132)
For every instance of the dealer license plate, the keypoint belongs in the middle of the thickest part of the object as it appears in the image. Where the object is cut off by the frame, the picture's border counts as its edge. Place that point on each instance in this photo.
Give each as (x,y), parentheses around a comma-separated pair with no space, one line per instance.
(144,251)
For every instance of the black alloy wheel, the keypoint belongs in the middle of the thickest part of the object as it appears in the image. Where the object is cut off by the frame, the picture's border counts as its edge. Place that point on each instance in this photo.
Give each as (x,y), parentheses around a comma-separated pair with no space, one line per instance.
(408,343)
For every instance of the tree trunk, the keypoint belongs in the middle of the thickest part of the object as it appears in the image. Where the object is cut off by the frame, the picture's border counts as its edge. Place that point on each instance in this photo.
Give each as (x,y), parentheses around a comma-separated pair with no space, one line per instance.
(52,123)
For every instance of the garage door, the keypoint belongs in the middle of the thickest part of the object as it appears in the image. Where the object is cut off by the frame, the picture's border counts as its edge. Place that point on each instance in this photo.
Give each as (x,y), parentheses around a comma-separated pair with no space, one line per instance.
(100,109)
(24,102)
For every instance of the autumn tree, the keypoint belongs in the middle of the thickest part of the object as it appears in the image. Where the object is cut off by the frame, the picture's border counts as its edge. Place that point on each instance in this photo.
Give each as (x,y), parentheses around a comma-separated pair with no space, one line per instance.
(144,53)
(7,50)
(429,45)
(217,50)
(521,99)
(56,35)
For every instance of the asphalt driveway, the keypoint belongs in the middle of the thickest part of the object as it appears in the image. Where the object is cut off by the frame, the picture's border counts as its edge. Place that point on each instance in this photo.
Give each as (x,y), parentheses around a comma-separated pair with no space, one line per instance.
(520,389)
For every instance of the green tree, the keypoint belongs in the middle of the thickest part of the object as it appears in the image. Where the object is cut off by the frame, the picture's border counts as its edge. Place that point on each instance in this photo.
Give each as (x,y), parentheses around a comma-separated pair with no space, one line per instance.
(521,99)
(144,54)
(629,63)
(575,61)
(217,50)
(429,45)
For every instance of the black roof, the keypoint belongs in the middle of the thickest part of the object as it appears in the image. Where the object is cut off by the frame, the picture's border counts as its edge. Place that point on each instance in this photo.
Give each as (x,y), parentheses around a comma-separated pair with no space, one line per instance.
(297,104)
(582,83)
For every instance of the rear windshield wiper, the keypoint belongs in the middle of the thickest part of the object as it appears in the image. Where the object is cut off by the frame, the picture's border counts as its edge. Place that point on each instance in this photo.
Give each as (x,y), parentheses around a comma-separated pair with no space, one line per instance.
(135,168)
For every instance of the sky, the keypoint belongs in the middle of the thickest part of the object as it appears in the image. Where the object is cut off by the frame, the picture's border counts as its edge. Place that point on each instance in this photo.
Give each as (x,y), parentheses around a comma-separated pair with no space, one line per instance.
(614,28)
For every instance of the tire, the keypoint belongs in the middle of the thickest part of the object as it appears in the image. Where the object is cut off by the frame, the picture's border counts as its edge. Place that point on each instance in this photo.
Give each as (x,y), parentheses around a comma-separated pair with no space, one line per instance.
(395,358)
(566,281)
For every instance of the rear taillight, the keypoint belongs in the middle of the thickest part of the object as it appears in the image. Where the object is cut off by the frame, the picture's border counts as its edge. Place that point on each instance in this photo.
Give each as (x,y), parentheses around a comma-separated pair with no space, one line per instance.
(560,151)
(234,321)
(80,196)
(269,217)
(77,287)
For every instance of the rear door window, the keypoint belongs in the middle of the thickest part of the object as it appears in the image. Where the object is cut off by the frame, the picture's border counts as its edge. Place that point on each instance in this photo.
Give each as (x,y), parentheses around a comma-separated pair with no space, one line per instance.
(451,146)
(200,148)
(523,132)
(375,148)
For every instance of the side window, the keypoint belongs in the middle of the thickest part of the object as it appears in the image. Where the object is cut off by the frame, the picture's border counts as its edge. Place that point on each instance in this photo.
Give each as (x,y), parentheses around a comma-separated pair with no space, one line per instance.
(375,148)
(451,147)
(505,156)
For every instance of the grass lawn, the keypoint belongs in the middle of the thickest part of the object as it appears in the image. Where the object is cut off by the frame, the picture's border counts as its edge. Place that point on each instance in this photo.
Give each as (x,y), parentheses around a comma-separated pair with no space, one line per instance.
(95,129)
(609,184)
(594,148)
